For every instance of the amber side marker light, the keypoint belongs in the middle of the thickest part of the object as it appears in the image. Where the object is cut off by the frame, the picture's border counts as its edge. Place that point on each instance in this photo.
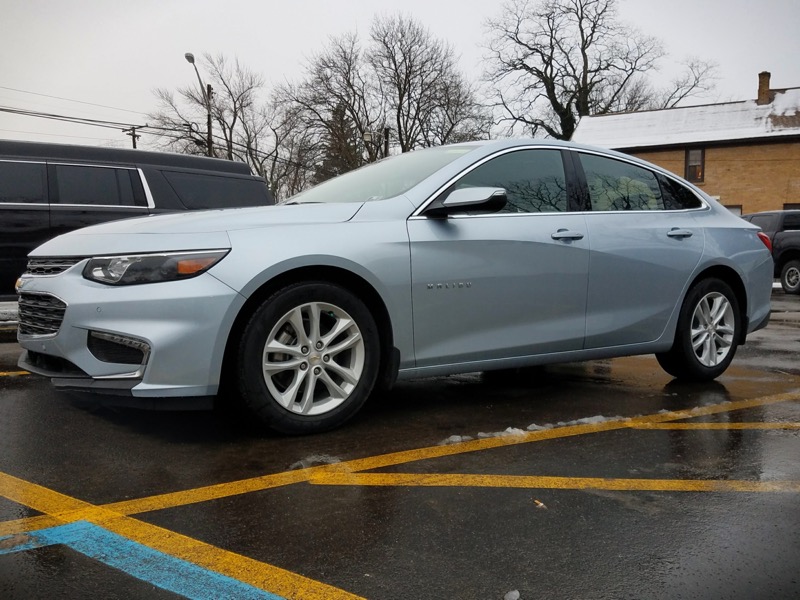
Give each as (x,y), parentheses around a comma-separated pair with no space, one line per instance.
(190,266)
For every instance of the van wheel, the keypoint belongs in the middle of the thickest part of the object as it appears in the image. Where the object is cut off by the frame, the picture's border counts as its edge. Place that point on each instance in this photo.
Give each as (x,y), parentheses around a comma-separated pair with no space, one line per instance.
(308,358)
(707,334)
(790,277)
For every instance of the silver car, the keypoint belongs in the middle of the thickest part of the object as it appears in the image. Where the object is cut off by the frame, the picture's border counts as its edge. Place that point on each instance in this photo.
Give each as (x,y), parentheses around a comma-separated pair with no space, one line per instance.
(469,257)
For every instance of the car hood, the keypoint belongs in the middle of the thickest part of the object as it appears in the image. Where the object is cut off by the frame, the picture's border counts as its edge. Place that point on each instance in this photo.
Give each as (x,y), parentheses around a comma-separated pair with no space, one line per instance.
(188,230)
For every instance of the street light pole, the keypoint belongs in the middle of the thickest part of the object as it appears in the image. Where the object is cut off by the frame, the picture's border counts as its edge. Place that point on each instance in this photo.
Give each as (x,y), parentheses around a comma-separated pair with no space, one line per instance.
(206,90)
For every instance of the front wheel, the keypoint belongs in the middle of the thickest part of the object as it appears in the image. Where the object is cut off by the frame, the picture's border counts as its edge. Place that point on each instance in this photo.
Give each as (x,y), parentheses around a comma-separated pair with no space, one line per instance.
(707,334)
(790,277)
(308,358)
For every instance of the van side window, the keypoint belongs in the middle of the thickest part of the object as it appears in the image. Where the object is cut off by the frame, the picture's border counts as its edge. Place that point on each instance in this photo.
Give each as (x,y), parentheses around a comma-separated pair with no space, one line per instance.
(22,183)
(208,191)
(96,186)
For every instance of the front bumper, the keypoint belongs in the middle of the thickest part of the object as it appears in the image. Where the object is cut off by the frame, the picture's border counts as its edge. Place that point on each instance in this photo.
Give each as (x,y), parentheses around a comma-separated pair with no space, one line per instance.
(181,325)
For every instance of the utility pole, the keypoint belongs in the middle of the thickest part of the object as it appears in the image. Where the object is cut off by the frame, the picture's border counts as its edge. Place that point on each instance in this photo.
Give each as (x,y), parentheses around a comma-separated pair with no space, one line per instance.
(132,132)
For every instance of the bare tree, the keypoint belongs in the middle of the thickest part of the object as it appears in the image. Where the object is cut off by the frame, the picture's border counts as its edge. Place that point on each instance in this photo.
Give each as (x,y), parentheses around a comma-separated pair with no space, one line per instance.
(555,61)
(403,82)
(234,100)
(267,135)
(427,99)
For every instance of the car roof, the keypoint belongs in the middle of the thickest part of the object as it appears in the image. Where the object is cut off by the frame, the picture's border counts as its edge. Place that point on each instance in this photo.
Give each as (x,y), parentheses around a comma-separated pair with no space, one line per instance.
(48,151)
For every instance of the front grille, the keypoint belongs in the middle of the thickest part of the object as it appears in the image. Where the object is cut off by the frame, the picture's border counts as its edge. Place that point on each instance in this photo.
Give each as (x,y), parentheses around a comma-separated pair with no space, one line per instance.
(42,267)
(40,314)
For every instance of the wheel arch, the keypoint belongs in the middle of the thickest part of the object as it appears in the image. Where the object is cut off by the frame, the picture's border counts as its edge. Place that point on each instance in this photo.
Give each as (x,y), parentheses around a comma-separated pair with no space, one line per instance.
(734,280)
(784,257)
(389,358)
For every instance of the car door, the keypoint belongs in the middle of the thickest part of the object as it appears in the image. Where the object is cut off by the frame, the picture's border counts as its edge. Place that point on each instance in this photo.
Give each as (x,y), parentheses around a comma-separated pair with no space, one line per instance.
(645,247)
(508,284)
(82,195)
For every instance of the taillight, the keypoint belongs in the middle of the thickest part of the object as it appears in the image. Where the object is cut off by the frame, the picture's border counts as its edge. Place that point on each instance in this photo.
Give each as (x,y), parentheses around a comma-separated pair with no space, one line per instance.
(765,238)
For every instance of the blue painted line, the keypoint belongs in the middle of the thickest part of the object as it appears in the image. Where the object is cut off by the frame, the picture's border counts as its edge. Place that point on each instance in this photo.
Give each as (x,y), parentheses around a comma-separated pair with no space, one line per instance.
(162,570)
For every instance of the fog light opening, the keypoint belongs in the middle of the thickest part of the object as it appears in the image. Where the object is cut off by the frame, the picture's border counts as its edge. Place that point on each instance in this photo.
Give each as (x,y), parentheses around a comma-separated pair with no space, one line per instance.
(120,349)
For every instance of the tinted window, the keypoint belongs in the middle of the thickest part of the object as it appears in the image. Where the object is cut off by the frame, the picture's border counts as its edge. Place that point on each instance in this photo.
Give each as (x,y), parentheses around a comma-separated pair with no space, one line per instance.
(209,191)
(616,185)
(791,223)
(97,186)
(533,179)
(676,196)
(22,183)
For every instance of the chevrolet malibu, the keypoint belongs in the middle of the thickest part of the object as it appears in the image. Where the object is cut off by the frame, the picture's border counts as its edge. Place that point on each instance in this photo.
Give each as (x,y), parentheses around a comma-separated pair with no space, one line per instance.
(470,257)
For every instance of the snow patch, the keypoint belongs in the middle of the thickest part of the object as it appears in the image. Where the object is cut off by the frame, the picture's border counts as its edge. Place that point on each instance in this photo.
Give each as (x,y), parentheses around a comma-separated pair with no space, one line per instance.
(315,459)
(584,421)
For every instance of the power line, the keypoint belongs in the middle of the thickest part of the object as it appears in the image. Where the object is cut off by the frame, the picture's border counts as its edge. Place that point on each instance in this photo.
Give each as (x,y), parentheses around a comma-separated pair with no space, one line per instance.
(2,87)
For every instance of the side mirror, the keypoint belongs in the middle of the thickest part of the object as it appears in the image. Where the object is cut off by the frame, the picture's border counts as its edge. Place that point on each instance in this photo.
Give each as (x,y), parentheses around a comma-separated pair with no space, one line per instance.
(475,199)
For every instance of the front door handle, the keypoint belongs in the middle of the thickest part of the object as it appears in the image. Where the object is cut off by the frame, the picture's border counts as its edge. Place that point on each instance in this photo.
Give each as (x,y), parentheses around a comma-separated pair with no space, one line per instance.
(566,234)
(679,233)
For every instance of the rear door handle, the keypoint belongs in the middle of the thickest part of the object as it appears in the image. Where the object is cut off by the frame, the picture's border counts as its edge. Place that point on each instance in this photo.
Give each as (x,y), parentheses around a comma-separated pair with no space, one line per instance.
(679,233)
(566,234)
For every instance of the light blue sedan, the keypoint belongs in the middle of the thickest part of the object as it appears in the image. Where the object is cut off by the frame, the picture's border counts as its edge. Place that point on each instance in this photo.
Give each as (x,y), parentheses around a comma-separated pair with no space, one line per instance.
(469,257)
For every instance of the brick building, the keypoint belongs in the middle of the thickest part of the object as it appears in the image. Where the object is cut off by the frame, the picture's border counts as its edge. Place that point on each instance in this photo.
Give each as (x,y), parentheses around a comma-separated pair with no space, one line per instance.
(746,154)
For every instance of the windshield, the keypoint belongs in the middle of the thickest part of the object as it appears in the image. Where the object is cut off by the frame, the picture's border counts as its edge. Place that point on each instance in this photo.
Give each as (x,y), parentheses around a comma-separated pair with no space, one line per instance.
(385,179)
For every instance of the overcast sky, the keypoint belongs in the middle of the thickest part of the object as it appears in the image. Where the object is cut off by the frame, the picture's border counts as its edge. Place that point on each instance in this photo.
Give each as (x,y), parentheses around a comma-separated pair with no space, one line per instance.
(114,52)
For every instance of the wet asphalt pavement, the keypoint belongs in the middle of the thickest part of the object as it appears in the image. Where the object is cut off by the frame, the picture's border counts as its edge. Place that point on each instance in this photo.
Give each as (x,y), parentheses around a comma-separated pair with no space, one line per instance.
(461,487)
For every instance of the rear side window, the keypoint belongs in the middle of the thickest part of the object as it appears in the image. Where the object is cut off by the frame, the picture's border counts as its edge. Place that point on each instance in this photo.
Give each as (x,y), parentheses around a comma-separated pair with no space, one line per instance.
(676,196)
(619,186)
(95,186)
(791,223)
(198,191)
(22,183)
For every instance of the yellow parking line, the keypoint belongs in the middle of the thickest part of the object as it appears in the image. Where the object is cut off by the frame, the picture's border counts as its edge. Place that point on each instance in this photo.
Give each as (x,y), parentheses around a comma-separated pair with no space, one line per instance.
(561,483)
(13,373)
(235,488)
(261,575)
(712,426)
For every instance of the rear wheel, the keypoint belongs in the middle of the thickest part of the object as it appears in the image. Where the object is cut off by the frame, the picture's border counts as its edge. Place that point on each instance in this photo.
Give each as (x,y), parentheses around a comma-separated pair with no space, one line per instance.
(790,277)
(308,358)
(707,334)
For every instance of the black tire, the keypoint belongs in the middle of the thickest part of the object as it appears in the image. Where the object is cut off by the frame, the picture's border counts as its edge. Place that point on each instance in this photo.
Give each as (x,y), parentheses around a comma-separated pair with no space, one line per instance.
(710,320)
(790,277)
(328,376)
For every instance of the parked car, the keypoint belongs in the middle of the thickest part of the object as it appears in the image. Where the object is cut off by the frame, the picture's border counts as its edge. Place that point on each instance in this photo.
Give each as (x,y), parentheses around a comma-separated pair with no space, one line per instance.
(469,257)
(783,229)
(49,189)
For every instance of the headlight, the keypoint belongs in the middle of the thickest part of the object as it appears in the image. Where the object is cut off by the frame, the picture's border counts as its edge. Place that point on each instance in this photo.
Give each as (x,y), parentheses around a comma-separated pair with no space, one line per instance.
(132,269)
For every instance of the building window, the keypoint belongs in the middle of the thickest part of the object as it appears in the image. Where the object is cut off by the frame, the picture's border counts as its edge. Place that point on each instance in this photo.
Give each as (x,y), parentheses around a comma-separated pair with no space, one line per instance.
(696,165)
(791,206)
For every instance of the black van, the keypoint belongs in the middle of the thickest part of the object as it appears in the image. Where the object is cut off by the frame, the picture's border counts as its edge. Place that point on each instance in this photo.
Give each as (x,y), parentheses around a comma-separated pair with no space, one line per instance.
(49,189)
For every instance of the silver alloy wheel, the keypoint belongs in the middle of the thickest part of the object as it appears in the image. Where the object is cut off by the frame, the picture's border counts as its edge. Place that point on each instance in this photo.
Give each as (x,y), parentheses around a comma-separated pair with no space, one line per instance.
(792,277)
(713,329)
(313,358)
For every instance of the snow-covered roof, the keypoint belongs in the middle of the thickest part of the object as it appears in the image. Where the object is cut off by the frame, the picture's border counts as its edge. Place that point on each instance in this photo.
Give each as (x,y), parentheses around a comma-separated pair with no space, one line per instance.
(725,122)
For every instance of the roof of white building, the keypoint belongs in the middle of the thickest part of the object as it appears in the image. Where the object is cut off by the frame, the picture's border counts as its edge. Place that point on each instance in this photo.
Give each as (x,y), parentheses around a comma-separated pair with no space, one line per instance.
(729,121)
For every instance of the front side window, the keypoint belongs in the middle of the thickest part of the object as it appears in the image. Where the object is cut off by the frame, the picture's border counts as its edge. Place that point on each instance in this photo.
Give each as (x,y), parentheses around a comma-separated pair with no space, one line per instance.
(615,185)
(695,165)
(95,186)
(22,183)
(533,179)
